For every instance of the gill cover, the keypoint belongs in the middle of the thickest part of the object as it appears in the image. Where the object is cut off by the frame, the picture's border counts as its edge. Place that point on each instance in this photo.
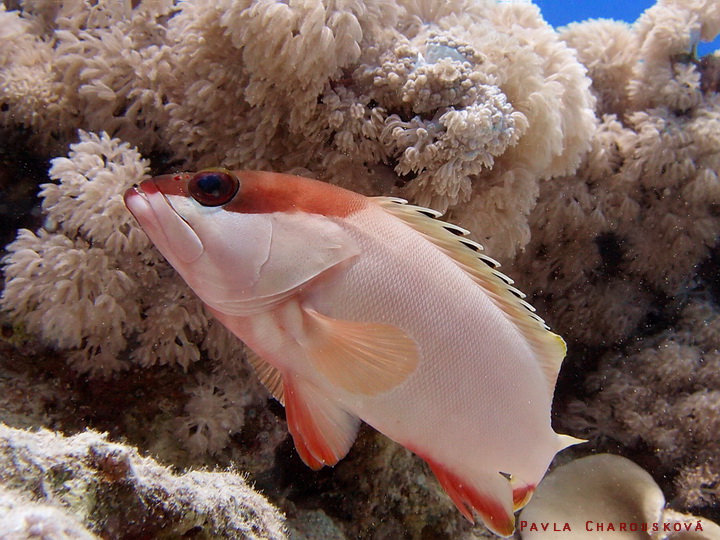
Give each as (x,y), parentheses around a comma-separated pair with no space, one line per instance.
(302,246)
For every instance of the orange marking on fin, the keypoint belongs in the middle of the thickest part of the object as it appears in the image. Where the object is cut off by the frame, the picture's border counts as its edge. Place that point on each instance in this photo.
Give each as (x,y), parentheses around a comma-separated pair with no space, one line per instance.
(522,495)
(305,454)
(465,496)
(309,441)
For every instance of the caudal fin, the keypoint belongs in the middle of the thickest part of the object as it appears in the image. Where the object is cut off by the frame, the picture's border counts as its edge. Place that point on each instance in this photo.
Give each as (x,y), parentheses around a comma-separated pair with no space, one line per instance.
(568,440)
(522,493)
(491,497)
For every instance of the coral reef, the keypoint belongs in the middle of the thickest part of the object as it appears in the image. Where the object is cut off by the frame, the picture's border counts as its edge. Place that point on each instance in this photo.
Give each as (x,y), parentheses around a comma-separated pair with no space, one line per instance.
(88,285)
(632,224)
(674,381)
(586,160)
(73,280)
(476,100)
(618,245)
(92,479)
(22,518)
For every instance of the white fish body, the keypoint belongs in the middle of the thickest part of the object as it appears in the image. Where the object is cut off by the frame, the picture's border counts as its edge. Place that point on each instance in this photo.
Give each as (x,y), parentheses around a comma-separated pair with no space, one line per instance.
(369,309)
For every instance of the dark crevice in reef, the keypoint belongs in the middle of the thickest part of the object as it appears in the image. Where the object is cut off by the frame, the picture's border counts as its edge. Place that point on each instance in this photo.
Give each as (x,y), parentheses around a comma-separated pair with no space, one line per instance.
(21,172)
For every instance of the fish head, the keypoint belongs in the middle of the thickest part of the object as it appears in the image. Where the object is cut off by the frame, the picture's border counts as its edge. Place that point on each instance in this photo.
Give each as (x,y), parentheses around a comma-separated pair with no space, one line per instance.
(242,240)
(213,249)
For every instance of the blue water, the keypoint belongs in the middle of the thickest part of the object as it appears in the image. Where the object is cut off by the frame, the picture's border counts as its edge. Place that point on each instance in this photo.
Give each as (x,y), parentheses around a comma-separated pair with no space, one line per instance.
(562,12)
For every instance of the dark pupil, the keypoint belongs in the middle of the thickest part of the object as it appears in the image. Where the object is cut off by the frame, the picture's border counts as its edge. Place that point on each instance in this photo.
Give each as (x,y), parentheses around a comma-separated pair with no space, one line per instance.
(213,188)
(211,184)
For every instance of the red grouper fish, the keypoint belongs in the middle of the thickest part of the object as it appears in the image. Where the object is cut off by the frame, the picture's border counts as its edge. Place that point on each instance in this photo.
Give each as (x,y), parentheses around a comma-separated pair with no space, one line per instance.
(360,308)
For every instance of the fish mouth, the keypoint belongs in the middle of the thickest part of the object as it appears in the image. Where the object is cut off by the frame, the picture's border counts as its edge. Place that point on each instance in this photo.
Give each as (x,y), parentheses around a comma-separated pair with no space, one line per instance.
(130,198)
(137,202)
(145,190)
(139,190)
(129,195)
(167,229)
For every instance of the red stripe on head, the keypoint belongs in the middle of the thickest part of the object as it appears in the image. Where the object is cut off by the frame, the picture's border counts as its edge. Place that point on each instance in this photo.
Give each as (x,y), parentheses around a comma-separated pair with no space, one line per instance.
(266,192)
(167,184)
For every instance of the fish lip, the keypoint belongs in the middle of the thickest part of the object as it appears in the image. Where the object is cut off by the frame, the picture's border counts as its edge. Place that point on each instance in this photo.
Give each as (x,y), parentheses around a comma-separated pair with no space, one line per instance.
(141,190)
(155,217)
(134,191)
(145,188)
(140,210)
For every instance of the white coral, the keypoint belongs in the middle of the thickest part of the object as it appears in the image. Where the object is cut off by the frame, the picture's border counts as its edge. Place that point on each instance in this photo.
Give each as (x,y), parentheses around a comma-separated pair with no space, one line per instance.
(60,281)
(317,87)
(28,89)
(78,281)
(216,408)
(91,281)
(609,51)
(88,198)
(80,66)
(174,321)
(446,153)
(666,33)
(212,416)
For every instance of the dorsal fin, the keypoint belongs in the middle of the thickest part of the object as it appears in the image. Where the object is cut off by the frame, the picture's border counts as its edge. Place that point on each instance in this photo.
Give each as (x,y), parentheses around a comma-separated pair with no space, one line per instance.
(451,240)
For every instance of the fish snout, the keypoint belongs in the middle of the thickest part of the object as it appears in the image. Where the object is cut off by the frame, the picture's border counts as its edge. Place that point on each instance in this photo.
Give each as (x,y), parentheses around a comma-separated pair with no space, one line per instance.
(170,233)
(136,202)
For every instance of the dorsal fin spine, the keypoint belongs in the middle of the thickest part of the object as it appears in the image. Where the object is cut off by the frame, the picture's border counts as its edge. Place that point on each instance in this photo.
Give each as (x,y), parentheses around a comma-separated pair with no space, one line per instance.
(549,348)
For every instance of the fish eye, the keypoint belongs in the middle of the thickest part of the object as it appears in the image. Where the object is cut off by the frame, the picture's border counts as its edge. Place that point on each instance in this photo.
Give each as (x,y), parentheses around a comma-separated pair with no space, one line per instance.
(213,187)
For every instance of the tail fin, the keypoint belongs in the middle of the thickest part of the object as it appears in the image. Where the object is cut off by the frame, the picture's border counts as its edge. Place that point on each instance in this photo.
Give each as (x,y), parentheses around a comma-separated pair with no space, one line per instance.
(522,493)
(568,440)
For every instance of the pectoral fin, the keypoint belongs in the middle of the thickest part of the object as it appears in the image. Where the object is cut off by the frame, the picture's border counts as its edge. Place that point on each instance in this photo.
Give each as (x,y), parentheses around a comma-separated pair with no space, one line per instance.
(360,357)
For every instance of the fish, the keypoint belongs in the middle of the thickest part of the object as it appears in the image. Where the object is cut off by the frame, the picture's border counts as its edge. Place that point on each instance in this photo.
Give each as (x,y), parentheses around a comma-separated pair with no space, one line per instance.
(370,309)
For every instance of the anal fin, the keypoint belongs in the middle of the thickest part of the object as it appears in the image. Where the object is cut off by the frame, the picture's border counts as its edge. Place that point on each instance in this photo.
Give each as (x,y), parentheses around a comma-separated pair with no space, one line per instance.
(322,431)
(491,498)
